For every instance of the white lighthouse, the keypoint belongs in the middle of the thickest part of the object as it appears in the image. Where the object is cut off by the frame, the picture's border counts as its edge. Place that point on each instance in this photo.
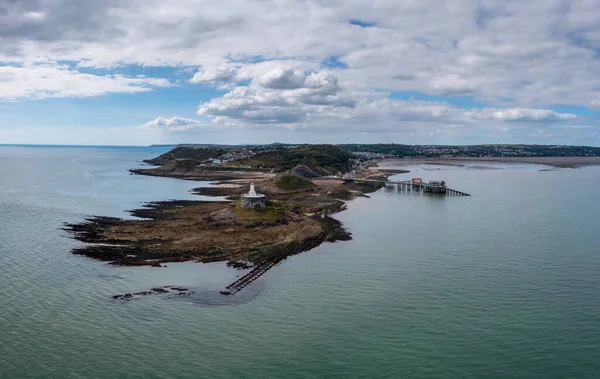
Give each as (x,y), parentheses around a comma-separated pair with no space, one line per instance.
(253,199)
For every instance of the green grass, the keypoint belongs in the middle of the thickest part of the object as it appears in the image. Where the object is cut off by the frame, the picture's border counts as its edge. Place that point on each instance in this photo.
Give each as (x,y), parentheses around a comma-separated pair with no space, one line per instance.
(230,168)
(321,158)
(198,154)
(291,183)
(186,164)
(272,212)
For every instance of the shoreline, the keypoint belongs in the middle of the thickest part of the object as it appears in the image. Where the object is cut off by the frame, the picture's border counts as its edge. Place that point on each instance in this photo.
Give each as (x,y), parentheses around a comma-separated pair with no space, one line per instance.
(296,217)
(556,162)
(215,230)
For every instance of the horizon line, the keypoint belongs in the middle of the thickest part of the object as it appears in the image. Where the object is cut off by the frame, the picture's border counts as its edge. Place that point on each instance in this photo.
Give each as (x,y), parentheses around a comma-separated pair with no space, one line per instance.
(281,143)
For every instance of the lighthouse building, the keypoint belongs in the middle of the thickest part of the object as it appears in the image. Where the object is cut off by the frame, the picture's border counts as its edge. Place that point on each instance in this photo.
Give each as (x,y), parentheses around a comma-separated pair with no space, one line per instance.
(253,199)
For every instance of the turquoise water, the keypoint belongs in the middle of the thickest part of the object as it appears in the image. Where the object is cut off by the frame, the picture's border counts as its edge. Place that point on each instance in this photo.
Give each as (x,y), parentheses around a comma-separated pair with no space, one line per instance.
(503,284)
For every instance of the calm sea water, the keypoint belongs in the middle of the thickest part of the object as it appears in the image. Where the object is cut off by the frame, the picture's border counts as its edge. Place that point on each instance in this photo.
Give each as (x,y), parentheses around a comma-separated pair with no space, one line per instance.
(503,284)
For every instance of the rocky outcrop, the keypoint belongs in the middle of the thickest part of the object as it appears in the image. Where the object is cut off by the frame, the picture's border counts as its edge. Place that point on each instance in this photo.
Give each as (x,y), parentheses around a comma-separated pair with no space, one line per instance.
(304,172)
(171,290)
(222,217)
(200,231)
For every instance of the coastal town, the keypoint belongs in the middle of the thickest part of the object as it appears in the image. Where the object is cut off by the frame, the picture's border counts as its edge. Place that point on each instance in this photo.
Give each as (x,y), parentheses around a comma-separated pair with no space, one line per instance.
(231,153)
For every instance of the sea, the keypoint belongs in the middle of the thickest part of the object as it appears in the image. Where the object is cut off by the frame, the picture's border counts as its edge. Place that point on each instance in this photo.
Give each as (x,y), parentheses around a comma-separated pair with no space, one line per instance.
(501,284)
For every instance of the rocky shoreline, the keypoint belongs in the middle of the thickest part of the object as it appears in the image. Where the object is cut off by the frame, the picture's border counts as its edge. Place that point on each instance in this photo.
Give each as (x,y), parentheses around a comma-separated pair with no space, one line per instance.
(296,217)
(149,242)
(213,231)
(186,173)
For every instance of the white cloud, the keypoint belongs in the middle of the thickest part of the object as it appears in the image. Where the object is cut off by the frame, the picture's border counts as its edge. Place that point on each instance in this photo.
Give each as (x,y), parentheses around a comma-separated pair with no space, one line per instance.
(294,99)
(173,123)
(518,58)
(521,114)
(522,54)
(451,85)
(35,15)
(282,79)
(279,96)
(214,75)
(49,80)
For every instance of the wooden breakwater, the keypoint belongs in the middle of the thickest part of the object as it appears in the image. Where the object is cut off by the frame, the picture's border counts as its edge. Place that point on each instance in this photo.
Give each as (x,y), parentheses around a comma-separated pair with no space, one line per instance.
(248,278)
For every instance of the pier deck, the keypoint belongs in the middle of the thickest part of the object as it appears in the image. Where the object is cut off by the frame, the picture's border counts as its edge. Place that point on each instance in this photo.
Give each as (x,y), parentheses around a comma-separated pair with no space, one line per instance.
(408,185)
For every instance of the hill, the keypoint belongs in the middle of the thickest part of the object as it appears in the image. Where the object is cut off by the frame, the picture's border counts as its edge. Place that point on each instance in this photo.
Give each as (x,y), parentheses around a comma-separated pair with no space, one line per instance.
(324,159)
(179,153)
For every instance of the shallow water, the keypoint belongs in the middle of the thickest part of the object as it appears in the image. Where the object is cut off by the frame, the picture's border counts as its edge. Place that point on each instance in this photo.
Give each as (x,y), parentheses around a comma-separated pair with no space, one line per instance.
(505,283)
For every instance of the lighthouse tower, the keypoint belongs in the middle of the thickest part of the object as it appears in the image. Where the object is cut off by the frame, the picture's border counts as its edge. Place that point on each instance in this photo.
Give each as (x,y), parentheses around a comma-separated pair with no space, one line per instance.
(253,199)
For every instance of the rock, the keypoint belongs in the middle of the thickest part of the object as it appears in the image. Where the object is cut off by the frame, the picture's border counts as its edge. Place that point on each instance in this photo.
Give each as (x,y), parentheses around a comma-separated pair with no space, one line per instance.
(304,172)
(180,289)
(122,297)
(159,290)
(221,217)
(240,265)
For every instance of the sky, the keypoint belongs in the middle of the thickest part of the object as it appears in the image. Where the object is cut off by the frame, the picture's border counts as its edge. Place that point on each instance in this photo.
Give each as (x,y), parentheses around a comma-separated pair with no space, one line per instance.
(140,72)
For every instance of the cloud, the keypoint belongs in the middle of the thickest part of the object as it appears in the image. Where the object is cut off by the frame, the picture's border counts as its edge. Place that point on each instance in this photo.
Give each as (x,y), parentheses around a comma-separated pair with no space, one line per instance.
(510,53)
(50,80)
(51,21)
(520,59)
(451,85)
(34,15)
(521,114)
(294,99)
(282,79)
(279,96)
(173,124)
(216,75)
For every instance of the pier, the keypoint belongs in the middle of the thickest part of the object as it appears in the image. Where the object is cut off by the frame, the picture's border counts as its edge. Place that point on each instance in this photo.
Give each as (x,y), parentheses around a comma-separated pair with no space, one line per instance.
(433,187)
(414,185)
(425,188)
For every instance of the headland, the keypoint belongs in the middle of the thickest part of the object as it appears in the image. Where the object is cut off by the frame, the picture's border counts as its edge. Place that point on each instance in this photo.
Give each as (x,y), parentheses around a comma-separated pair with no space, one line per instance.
(303,186)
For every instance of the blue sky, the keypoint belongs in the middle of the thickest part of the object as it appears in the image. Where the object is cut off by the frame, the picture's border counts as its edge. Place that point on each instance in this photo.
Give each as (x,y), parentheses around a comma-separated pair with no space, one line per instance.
(138,72)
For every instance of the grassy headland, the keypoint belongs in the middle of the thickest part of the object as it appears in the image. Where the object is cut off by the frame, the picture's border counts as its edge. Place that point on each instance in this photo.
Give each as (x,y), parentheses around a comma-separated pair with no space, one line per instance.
(296,218)
(324,159)
(291,183)
(300,201)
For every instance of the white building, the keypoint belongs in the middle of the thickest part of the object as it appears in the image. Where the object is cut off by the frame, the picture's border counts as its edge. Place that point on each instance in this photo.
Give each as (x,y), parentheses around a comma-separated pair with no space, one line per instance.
(253,199)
